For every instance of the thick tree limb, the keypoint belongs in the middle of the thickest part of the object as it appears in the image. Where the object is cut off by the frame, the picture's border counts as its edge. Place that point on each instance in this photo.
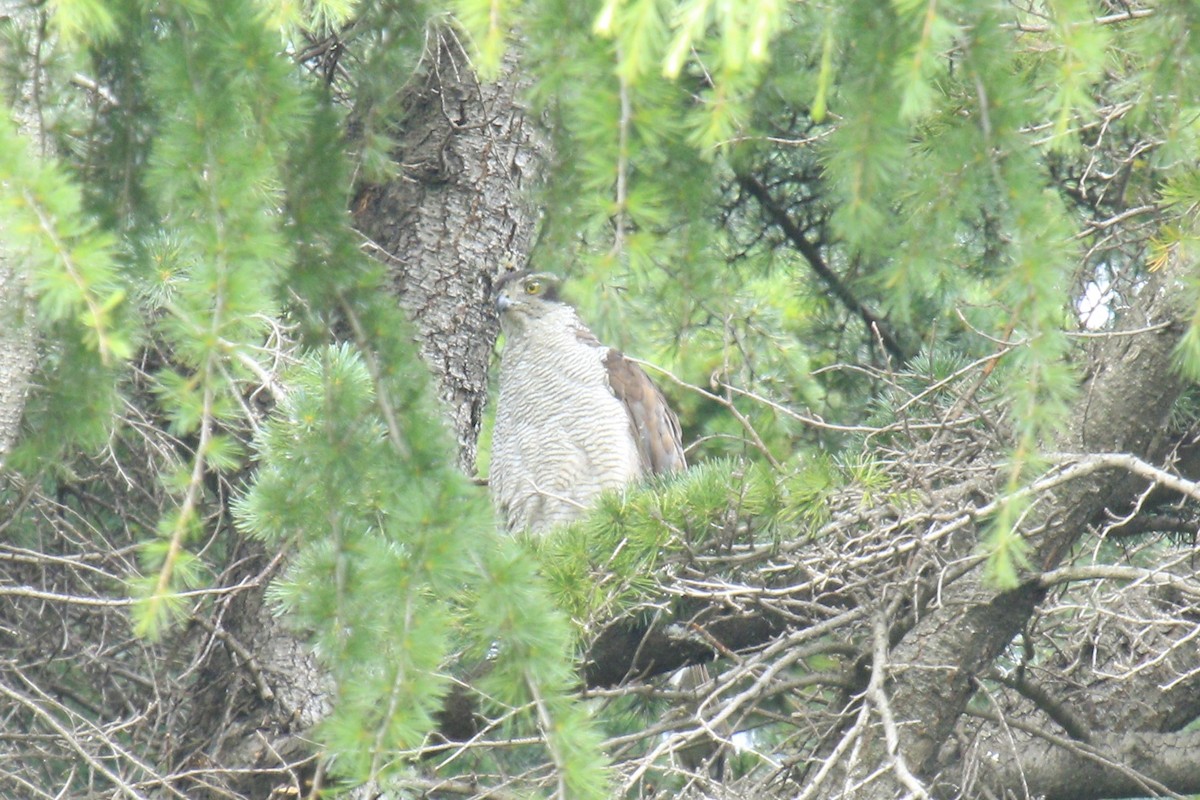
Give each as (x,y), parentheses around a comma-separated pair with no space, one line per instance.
(1122,408)
(1116,764)
(963,624)
(628,650)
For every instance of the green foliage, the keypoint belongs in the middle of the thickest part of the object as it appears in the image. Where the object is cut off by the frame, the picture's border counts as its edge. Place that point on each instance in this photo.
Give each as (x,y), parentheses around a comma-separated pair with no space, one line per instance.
(1004,547)
(939,158)
(372,517)
(938,133)
(83,19)
(71,265)
(227,110)
(607,562)
(391,45)
(485,24)
(1079,52)
(807,490)
(231,229)
(615,558)
(69,260)
(73,411)
(296,16)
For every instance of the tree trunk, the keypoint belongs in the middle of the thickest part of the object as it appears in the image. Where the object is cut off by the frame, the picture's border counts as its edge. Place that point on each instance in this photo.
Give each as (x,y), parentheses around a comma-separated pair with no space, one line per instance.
(16,355)
(17,352)
(457,216)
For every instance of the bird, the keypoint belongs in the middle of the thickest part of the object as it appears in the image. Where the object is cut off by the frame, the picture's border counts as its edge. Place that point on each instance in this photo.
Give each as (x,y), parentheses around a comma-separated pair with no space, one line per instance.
(574,418)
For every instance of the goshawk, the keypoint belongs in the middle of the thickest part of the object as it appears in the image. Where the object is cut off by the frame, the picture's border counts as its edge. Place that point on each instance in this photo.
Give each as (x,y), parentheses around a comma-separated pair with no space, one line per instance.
(574,418)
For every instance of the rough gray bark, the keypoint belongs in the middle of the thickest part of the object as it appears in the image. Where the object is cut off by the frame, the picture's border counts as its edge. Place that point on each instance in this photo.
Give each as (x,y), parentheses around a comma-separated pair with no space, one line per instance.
(459,213)
(17,352)
(16,355)
(1114,764)
(1094,721)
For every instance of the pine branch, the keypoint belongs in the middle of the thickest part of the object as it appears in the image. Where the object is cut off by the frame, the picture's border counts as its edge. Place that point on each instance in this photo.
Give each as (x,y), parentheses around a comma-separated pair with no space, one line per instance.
(877,327)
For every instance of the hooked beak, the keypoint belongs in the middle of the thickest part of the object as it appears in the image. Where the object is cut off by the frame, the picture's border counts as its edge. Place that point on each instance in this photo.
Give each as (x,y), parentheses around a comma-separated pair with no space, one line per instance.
(503,303)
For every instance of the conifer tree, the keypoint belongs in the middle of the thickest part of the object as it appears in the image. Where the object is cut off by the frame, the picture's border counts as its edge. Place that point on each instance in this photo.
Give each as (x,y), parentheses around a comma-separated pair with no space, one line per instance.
(918,277)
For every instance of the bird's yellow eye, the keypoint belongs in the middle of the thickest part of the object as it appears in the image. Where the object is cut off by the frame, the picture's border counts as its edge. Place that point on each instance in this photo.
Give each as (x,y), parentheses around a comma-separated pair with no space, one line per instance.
(533,287)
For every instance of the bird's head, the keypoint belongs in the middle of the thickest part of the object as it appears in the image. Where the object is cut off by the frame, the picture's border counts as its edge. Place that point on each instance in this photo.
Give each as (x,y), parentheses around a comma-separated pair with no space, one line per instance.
(522,297)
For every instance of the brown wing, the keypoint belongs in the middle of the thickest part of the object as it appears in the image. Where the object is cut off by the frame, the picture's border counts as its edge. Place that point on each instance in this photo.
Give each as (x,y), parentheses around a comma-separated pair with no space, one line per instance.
(654,424)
